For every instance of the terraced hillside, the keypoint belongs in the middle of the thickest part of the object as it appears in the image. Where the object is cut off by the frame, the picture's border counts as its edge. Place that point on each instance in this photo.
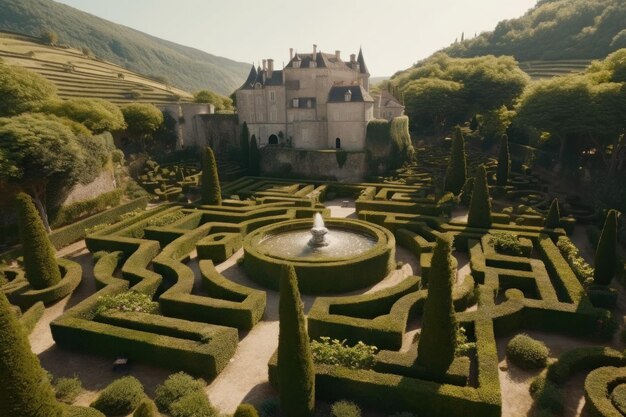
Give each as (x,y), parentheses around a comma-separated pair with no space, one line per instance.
(78,75)
(553,68)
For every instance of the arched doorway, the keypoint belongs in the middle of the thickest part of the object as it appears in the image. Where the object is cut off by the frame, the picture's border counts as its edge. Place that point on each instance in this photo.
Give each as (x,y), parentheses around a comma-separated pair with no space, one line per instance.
(273,140)
(337,143)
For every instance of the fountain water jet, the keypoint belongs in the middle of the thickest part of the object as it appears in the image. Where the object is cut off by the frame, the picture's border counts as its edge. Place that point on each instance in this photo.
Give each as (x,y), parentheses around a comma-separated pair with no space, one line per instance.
(318,232)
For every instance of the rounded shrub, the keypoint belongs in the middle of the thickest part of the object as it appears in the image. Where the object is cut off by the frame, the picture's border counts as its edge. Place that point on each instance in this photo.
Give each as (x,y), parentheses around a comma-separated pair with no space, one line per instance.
(26,390)
(195,404)
(75,411)
(120,397)
(175,387)
(40,263)
(527,353)
(246,410)
(67,389)
(147,408)
(345,409)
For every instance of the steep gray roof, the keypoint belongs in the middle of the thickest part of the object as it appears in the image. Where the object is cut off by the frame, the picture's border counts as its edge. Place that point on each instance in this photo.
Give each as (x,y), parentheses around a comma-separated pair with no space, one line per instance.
(386,99)
(361,61)
(321,59)
(337,94)
(261,76)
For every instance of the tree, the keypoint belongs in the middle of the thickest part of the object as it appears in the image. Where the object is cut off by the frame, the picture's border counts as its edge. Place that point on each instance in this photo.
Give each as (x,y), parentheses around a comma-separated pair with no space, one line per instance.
(220,102)
(433,104)
(96,114)
(23,90)
(147,408)
(553,219)
(437,342)
(244,146)
(606,252)
(480,206)
(40,263)
(254,167)
(142,120)
(457,166)
(246,410)
(36,150)
(504,162)
(26,390)
(474,124)
(49,36)
(296,375)
(211,191)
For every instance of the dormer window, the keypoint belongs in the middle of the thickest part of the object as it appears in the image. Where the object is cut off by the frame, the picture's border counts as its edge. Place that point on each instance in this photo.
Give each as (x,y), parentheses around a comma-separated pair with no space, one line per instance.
(312,64)
(257,85)
(347,96)
(296,64)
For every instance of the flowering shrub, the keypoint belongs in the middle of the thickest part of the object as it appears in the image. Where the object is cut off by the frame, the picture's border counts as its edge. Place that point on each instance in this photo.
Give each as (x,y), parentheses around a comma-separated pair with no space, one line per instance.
(130,301)
(582,270)
(335,352)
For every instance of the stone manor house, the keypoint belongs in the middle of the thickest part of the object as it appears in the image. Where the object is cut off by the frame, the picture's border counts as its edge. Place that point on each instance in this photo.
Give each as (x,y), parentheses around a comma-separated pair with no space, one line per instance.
(317,101)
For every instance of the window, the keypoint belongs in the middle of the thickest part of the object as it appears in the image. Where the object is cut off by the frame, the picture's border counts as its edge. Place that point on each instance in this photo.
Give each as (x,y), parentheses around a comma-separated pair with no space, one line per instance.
(259,100)
(273,115)
(272,96)
(295,103)
(309,103)
(296,64)
(347,96)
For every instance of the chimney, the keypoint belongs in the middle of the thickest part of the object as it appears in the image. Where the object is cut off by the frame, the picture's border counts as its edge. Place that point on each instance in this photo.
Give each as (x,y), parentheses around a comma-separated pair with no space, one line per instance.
(337,54)
(352,58)
(264,64)
(290,54)
(314,50)
(270,67)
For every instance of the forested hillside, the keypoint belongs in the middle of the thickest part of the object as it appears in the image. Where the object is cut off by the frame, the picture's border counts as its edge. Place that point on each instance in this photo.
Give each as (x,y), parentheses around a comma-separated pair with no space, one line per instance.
(183,67)
(553,29)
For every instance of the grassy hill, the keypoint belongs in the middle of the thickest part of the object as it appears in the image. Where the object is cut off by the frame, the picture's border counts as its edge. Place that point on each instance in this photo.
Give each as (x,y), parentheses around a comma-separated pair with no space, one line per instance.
(78,75)
(553,30)
(184,67)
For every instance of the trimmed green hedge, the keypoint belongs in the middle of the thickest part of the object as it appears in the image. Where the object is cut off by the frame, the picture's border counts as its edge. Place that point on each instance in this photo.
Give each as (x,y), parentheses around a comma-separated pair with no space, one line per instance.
(599,385)
(72,212)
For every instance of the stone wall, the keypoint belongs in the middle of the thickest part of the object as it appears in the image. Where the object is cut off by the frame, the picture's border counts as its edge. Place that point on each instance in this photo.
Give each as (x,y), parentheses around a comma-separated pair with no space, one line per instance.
(184,114)
(104,183)
(219,131)
(323,164)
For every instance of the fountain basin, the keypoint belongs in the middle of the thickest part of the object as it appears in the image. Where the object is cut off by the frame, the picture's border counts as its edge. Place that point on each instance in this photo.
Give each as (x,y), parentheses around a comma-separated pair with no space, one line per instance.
(358,254)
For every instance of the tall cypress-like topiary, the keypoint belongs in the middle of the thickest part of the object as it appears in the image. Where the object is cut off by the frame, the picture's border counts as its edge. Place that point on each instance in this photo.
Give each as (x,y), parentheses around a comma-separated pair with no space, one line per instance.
(457,166)
(40,264)
(246,410)
(26,390)
(296,375)
(504,162)
(244,146)
(480,206)
(553,219)
(254,166)
(606,255)
(211,191)
(437,342)
(474,124)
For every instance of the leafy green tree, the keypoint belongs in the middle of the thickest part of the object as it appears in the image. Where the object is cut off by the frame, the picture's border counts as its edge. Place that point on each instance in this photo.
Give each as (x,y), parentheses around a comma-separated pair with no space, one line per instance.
(606,252)
(96,114)
(211,191)
(220,102)
(23,90)
(479,214)
(26,391)
(36,150)
(433,103)
(553,219)
(244,145)
(142,121)
(40,263)
(49,36)
(254,167)
(494,124)
(296,375)
(457,166)
(437,343)
(504,162)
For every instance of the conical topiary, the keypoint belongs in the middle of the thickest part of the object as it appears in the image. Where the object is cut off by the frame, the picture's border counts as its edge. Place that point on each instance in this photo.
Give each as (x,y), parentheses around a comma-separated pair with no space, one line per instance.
(296,375)
(211,191)
(246,410)
(26,390)
(504,162)
(40,263)
(244,146)
(466,192)
(553,219)
(474,124)
(480,206)
(606,255)
(437,342)
(254,166)
(457,166)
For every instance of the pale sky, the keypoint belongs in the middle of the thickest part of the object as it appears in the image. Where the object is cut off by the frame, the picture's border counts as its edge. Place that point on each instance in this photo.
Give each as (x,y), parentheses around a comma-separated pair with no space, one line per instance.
(394,34)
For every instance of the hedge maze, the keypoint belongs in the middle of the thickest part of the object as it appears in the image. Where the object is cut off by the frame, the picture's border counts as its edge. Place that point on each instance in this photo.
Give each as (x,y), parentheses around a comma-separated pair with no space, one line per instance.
(170,255)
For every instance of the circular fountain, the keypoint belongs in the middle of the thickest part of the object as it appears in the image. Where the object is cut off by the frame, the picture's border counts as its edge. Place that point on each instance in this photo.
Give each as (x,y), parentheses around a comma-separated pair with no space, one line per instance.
(331,256)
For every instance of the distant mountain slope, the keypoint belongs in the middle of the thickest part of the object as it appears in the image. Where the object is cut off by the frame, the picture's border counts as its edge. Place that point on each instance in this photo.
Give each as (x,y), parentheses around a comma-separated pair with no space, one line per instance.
(77,75)
(184,67)
(554,30)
